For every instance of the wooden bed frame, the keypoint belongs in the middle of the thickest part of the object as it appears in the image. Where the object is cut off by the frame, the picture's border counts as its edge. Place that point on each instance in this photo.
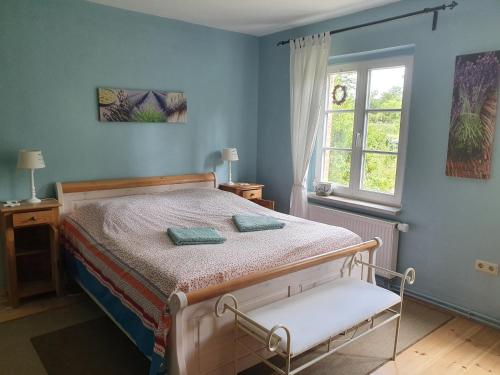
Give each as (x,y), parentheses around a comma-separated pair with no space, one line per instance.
(199,343)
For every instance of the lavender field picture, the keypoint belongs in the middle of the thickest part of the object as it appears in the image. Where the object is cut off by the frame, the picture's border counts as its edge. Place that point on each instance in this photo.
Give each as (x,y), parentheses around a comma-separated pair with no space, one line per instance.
(119,105)
(473,115)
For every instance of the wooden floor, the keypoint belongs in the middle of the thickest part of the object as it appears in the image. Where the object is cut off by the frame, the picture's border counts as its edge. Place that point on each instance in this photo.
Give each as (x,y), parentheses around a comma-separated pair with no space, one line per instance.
(34,306)
(459,347)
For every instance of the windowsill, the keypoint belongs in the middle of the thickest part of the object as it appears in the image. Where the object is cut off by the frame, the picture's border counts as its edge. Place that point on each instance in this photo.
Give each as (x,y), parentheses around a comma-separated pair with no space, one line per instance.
(370,207)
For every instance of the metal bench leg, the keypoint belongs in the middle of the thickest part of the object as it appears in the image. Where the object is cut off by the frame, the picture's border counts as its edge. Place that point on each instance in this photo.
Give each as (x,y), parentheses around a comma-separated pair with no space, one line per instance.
(396,336)
(288,360)
(235,348)
(407,277)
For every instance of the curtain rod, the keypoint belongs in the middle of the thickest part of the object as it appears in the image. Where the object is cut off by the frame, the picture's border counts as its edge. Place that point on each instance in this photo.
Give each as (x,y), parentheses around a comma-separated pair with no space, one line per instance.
(434,10)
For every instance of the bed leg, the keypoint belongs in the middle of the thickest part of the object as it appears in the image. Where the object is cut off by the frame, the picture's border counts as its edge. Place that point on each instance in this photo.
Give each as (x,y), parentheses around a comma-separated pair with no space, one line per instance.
(177,361)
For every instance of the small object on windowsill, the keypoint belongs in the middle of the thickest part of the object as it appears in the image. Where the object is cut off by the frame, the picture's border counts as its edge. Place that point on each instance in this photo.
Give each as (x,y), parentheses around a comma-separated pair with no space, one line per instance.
(323,189)
(349,203)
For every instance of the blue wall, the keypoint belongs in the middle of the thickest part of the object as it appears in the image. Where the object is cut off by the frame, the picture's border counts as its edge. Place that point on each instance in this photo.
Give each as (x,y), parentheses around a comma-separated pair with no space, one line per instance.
(453,221)
(55,53)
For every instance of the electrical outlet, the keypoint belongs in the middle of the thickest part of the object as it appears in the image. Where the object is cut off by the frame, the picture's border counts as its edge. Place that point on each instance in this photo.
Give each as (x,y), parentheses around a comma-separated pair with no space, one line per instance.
(486,267)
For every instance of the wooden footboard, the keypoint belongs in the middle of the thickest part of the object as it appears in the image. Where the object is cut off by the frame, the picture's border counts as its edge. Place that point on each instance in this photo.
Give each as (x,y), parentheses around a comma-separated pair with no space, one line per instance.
(200,344)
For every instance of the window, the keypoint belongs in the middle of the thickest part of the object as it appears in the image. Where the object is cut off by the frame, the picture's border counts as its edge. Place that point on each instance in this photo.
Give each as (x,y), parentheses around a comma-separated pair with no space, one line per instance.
(362,145)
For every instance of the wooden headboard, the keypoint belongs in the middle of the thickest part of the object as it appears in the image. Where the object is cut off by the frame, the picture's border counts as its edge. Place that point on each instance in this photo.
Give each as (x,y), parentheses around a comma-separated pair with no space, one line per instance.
(74,194)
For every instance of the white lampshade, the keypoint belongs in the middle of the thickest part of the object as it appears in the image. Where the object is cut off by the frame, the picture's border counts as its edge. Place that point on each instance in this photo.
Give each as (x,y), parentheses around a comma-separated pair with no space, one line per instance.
(30,159)
(229,154)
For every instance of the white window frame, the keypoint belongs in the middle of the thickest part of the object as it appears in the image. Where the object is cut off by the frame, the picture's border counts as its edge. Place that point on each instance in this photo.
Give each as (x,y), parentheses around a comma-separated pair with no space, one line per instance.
(354,190)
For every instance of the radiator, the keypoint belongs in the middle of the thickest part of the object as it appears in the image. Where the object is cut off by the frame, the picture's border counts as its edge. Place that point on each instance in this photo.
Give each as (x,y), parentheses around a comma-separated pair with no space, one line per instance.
(366,227)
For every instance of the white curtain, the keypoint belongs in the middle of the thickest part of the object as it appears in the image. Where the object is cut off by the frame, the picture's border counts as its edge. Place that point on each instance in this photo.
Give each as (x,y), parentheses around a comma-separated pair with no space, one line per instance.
(308,64)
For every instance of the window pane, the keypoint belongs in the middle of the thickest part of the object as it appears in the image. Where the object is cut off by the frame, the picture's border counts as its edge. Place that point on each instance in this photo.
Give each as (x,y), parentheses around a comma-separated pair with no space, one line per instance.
(337,167)
(382,131)
(386,88)
(347,80)
(379,172)
(339,129)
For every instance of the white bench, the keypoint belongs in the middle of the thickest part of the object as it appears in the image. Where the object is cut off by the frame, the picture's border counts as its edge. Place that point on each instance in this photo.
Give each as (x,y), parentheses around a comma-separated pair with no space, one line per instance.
(321,315)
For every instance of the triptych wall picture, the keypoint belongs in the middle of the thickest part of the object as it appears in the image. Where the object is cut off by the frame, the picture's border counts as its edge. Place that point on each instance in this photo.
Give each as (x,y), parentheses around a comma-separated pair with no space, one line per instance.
(473,115)
(120,105)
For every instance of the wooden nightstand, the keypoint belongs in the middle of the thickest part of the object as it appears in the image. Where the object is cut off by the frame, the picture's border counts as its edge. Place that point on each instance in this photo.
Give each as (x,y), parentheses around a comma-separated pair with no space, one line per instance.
(31,244)
(251,192)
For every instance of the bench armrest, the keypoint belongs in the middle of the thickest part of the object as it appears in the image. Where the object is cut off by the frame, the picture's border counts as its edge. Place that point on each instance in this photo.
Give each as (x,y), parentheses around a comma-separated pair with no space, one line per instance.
(407,277)
(250,326)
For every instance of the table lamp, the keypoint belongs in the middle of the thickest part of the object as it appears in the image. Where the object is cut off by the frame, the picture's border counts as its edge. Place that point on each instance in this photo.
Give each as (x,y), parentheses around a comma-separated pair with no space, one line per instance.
(229,155)
(31,159)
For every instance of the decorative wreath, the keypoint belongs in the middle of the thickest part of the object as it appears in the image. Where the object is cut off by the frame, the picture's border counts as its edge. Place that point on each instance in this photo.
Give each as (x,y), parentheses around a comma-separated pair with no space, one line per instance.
(335,99)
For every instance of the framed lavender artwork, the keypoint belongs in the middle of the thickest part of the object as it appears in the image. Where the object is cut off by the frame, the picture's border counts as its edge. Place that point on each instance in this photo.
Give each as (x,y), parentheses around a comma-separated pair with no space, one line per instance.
(473,115)
(120,105)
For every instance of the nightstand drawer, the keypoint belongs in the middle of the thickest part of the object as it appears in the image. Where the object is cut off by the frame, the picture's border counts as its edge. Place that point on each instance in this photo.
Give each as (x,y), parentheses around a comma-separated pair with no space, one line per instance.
(264,203)
(32,218)
(252,194)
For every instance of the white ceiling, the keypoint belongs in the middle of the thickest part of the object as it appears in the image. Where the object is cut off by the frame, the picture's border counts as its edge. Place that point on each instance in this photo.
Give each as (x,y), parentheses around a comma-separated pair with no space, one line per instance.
(254,17)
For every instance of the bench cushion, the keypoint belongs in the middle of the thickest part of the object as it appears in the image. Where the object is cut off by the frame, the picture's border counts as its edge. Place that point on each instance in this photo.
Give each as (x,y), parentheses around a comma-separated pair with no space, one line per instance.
(324,311)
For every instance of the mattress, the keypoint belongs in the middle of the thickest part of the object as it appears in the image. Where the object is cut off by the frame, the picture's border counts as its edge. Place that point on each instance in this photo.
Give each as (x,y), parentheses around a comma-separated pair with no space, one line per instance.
(123,243)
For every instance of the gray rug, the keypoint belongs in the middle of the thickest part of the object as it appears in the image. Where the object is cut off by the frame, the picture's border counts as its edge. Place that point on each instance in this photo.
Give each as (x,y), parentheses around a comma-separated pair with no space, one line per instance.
(93,347)
(99,347)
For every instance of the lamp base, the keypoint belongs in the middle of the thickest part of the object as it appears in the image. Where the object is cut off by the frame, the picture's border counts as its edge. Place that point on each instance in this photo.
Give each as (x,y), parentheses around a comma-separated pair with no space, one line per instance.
(230,183)
(33,200)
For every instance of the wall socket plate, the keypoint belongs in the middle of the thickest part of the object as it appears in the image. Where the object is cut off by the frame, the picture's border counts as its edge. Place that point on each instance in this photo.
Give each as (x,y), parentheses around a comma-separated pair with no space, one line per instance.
(486,267)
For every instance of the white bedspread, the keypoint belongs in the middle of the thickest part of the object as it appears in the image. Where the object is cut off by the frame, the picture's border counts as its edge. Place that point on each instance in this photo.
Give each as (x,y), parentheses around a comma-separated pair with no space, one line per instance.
(134,229)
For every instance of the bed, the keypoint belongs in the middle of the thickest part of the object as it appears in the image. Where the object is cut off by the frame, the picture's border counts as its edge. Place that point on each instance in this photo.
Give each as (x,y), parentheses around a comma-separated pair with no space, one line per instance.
(162,296)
